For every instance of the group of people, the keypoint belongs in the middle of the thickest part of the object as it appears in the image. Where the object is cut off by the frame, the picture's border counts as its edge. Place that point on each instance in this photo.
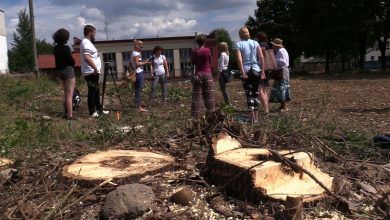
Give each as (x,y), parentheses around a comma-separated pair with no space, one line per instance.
(91,66)
(250,60)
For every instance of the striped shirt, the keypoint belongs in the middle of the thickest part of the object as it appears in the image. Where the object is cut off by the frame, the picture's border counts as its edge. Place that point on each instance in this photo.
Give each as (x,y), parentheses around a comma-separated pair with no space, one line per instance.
(87,48)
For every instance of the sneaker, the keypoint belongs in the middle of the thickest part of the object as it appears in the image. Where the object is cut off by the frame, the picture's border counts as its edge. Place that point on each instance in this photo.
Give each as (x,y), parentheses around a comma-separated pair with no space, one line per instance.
(105,112)
(95,115)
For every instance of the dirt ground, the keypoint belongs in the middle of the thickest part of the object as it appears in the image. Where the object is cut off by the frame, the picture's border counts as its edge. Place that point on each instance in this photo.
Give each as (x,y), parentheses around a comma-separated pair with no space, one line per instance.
(348,103)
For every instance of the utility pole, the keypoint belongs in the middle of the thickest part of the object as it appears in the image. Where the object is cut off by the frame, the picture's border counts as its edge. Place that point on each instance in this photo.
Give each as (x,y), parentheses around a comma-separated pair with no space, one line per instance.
(106,28)
(34,46)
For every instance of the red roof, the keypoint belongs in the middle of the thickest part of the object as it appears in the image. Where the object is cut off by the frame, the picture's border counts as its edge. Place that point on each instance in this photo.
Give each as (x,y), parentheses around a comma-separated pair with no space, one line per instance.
(47,61)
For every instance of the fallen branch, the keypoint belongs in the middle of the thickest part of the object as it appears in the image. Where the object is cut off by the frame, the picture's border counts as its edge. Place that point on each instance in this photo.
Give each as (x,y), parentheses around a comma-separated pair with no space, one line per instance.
(82,197)
(59,205)
(297,167)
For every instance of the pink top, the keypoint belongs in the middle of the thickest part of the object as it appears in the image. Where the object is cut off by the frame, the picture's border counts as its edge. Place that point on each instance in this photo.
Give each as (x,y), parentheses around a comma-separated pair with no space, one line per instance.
(201,58)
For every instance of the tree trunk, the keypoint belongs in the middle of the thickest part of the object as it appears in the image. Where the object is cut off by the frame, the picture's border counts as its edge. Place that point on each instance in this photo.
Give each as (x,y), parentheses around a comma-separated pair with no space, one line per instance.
(362,50)
(382,49)
(327,61)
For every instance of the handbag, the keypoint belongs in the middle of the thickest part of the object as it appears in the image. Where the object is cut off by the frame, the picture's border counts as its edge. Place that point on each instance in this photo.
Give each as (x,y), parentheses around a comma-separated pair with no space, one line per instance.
(131,76)
(277,74)
(269,60)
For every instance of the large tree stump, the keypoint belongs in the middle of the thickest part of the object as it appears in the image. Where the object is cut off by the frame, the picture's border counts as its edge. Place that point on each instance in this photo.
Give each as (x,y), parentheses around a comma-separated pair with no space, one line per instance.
(252,173)
(117,164)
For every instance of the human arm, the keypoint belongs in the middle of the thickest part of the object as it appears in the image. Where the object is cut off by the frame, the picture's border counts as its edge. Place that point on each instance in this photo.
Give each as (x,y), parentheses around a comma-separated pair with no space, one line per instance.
(151,70)
(166,67)
(240,65)
(260,56)
(88,59)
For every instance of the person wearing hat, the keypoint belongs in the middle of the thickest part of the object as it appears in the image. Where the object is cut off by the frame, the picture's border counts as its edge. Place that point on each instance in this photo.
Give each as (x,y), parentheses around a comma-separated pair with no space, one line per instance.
(250,62)
(138,65)
(280,92)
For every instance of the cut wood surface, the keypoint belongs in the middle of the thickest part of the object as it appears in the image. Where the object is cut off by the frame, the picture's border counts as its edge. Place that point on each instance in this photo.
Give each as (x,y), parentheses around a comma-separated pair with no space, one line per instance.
(5,161)
(116,164)
(224,143)
(269,175)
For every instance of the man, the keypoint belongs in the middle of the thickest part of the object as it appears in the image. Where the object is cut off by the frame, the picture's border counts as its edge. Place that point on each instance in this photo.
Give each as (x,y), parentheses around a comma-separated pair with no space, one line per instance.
(90,68)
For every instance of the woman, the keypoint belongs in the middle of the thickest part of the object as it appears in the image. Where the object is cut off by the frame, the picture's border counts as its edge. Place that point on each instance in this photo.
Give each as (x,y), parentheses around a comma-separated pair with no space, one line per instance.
(250,62)
(203,85)
(159,72)
(138,64)
(223,63)
(65,66)
(264,45)
(280,92)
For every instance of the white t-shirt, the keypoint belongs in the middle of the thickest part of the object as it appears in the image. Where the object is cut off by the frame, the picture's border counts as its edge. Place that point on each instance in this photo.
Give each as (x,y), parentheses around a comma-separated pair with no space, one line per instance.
(223,62)
(136,54)
(158,65)
(86,47)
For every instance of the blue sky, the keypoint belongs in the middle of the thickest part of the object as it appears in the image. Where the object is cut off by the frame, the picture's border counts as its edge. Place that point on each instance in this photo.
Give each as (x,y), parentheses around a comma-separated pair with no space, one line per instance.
(127,19)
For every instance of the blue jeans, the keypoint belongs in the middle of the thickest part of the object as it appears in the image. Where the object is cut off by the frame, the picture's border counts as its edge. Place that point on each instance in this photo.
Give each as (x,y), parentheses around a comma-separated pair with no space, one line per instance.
(162,79)
(139,84)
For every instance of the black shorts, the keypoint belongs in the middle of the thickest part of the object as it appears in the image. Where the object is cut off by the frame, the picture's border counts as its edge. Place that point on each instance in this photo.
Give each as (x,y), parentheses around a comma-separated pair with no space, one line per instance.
(67,73)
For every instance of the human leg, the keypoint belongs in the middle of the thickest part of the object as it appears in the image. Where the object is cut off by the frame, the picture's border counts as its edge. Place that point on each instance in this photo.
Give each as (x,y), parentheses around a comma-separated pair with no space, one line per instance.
(153,87)
(139,83)
(93,86)
(264,98)
(208,91)
(163,83)
(69,86)
(222,87)
(197,102)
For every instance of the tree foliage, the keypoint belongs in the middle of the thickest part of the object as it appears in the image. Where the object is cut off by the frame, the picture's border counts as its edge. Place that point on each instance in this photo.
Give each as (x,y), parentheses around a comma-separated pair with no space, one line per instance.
(338,30)
(21,54)
(222,35)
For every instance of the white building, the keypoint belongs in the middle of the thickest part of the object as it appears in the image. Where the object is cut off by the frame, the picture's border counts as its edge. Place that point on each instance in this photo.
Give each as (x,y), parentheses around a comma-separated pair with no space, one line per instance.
(3,45)
(374,55)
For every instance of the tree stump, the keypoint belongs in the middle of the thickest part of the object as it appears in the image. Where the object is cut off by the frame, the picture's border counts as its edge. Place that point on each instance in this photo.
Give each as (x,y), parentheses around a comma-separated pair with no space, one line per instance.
(117,164)
(254,173)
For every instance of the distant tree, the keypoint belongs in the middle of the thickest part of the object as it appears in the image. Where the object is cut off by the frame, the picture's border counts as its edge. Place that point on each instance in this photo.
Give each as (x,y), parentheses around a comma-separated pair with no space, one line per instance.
(21,54)
(275,18)
(222,35)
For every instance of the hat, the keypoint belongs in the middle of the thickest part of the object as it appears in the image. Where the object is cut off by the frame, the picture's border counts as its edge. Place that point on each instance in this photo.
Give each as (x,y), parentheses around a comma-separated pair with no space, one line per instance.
(277,42)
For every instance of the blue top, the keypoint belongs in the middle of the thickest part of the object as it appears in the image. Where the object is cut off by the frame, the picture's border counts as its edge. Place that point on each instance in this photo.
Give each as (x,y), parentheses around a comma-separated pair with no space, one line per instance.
(249,54)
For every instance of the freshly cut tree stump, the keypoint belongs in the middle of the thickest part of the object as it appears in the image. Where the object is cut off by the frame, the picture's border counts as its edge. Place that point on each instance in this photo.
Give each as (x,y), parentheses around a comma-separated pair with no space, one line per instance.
(252,173)
(117,164)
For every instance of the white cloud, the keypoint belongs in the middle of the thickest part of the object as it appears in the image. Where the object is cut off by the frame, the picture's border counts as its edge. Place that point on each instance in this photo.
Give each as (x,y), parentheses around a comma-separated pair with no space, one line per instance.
(138,18)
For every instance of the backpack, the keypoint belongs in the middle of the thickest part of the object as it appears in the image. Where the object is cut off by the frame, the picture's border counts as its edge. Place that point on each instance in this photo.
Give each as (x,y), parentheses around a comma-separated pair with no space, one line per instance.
(76,100)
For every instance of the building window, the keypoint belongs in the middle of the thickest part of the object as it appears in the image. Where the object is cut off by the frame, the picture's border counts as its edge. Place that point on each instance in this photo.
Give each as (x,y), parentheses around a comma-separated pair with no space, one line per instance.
(185,53)
(388,45)
(372,58)
(109,57)
(168,53)
(126,56)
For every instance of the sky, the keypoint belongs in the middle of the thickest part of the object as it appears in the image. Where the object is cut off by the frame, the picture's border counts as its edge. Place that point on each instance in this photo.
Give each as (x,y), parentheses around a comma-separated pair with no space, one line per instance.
(128,19)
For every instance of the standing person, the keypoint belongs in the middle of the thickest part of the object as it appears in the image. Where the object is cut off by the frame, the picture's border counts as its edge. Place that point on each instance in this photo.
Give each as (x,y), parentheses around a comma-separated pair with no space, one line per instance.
(159,72)
(280,92)
(90,68)
(138,64)
(203,84)
(264,45)
(65,66)
(250,61)
(223,64)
